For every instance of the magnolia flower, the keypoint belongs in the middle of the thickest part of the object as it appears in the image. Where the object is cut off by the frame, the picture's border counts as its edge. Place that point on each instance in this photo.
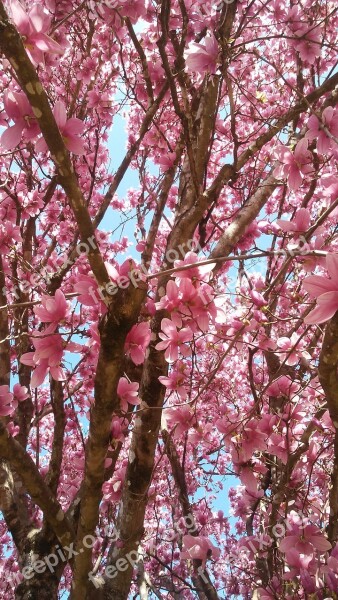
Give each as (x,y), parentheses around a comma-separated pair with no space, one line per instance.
(25,125)
(128,393)
(196,272)
(137,342)
(32,27)
(300,548)
(293,350)
(180,418)
(53,310)
(7,402)
(325,290)
(315,131)
(176,380)
(293,165)
(47,357)
(307,43)
(70,129)
(199,547)
(9,236)
(300,222)
(173,340)
(112,489)
(20,392)
(202,57)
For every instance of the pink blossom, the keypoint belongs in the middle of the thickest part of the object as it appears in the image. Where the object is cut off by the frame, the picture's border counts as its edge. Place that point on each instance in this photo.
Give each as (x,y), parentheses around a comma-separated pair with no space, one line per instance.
(171,302)
(251,440)
(128,393)
(32,28)
(196,272)
(9,236)
(329,120)
(7,402)
(175,380)
(250,482)
(20,111)
(293,164)
(114,10)
(137,342)
(199,547)
(173,340)
(53,310)
(180,419)
(197,304)
(88,290)
(118,426)
(20,392)
(166,161)
(47,357)
(70,129)
(282,386)
(300,222)
(202,57)
(96,100)
(325,290)
(292,355)
(112,489)
(300,548)
(307,43)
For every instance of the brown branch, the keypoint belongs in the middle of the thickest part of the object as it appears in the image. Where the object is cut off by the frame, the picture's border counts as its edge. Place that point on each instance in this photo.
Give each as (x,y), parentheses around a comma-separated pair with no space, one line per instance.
(202,582)
(328,377)
(57,402)
(27,472)
(114,327)
(245,216)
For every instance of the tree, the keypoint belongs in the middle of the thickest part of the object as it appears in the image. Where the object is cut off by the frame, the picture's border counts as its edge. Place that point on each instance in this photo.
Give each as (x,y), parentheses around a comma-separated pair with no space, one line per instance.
(134,382)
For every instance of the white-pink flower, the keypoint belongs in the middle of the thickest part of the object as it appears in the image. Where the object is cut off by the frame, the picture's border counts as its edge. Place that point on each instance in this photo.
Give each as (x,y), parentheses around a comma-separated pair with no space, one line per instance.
(180,419)
(315,129)
(9,236)
(293,165)
(7,402)
(173,340)
(325,290)
(48,355)
(202,57)
(300,222)
(199,547)
(70,129)
(292,350)
(20,392)
(137,342)
(128,393)
(32,27)
(195,272)
(301,547)
(112,489)
(53,310)
(25,125)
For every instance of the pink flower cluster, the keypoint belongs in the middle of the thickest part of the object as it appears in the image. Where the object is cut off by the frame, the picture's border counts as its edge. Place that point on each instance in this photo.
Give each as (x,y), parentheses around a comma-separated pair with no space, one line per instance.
(293,165)
(9,400)
(33,27)
(325,290)
(199,547)
(128,393)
